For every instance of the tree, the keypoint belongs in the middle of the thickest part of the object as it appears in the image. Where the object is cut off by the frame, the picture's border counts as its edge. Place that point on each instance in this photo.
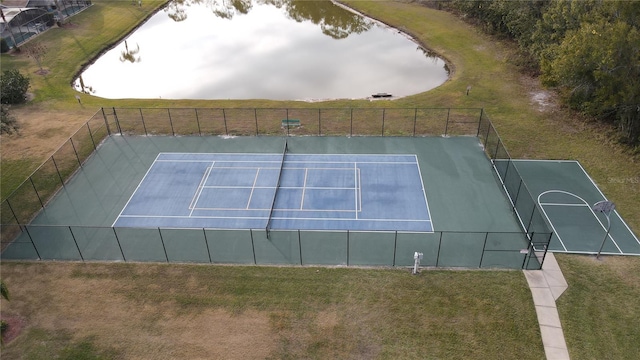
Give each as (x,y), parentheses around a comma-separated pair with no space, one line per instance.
(13,87)
(37,52)
(598,69)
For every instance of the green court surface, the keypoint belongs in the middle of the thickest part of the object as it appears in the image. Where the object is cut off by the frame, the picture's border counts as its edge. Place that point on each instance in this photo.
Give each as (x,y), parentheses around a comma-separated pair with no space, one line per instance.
(566,195)
(473,221)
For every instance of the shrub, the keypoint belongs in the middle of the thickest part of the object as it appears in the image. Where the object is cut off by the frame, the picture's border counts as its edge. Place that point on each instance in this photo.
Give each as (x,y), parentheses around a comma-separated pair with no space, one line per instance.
(9,125)
(13,87)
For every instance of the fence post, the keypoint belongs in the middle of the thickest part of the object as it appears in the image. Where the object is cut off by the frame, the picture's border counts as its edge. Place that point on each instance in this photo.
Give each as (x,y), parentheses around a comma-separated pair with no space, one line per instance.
(163,247)
(480,122)
(57,170)
(515,201)
(439,246)
(253,247)
(484,246)
(319,123)
(91,136)
(527,256)
(26,228)
(486,138)
(13,212)
(144,125)
(206,242)
(415,119)
(173,133)
(347,247)
(120,246)
(300,247)
(36,191)
(224,118)
(76,242)
(75,151)
(106,122)
(395,248)
(351,126)
(383,111)
(255,116)
(115,117)
(198,122)
(497,146)
(287,122)
(446,125)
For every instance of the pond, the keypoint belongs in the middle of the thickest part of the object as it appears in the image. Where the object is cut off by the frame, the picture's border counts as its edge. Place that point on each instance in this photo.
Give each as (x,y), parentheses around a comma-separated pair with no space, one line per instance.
(262,49)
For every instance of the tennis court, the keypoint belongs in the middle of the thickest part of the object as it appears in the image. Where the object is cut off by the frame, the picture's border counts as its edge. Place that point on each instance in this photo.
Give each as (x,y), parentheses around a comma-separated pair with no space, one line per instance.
(294,191)
(567,195)
(369,187)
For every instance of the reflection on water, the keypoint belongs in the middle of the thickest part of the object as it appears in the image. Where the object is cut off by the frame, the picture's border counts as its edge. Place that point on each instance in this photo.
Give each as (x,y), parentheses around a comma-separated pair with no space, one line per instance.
(271,49)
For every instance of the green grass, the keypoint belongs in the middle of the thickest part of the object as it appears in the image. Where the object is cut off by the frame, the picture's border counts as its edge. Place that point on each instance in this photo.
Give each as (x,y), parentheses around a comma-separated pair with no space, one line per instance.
(600,311)
(386,314)
(47,344)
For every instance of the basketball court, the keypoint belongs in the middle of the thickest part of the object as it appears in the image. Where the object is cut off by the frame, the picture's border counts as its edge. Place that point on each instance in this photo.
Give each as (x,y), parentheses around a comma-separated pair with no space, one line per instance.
(567,195)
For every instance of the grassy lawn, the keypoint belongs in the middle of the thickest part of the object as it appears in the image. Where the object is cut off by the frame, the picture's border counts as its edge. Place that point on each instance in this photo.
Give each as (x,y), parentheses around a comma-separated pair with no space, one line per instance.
(192,311)
(155,311)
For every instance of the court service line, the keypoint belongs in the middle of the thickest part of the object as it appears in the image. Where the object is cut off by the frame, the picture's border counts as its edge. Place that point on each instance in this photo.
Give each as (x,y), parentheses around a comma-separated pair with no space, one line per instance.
(280,187)
(304,187)
(255,179)
(288,162)
(193,204)
(424,192)
(355,179)
(275,209)
(203,181)
(135,191)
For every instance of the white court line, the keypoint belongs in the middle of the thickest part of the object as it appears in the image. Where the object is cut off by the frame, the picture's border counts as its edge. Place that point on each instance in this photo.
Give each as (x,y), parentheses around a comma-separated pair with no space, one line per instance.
(255,179)
(424,192)
(594,185)
(134,192)
(199,191)
(357,182)
(561,204)
(360,190)
(192,204)
(605,198)
(280,187)
(266,217)
(355,179)
(304,188)
(590,209)
(288,161)
(276,209)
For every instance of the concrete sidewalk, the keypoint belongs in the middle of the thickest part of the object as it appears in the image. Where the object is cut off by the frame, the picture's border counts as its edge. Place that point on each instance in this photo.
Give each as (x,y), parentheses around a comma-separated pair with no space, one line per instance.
(546,287)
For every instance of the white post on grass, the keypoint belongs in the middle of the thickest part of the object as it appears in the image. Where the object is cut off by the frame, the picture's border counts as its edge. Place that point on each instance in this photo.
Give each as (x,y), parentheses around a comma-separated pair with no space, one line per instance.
(605,207)
(417,256)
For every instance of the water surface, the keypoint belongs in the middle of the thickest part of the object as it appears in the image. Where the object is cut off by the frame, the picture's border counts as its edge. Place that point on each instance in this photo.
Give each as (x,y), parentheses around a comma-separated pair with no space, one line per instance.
(262,49)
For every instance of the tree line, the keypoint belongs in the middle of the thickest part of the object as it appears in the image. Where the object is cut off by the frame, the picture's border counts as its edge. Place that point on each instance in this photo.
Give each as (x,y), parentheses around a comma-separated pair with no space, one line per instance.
(589,50)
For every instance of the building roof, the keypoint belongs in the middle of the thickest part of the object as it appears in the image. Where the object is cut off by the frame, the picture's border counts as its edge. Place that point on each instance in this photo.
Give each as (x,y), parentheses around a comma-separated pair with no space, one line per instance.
(15,3)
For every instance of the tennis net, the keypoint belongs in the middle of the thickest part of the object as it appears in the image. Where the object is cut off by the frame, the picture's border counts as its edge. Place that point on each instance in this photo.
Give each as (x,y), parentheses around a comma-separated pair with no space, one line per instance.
(275,193)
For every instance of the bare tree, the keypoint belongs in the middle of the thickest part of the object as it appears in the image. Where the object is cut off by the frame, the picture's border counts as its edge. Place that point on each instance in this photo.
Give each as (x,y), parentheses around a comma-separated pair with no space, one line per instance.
(37,52)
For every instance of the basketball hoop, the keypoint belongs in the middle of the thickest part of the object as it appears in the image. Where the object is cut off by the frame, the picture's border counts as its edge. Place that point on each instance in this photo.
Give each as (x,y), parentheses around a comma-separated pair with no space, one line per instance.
(605,207)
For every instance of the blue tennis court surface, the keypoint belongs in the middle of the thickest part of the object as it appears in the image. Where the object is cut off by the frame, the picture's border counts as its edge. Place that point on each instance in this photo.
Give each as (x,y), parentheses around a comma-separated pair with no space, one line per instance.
(315,192)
